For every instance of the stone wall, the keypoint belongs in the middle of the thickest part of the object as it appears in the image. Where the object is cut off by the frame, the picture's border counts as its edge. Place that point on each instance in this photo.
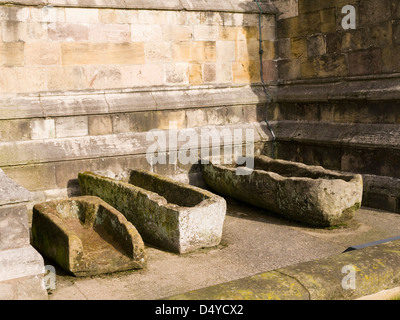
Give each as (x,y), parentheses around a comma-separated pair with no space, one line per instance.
(338,99)
(81,82)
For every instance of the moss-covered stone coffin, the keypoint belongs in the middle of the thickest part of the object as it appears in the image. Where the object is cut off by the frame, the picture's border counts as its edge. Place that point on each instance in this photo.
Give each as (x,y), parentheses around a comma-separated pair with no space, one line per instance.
(309,194)
(168,214)
(86,236)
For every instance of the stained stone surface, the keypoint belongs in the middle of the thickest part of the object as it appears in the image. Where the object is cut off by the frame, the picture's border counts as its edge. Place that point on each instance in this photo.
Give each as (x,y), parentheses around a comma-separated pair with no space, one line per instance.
(86,236)
(11,192)
(309,194)
(171,215)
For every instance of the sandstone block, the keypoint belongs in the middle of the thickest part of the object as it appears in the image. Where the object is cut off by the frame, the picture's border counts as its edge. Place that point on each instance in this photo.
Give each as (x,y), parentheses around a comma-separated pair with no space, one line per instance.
(102,53)
(205,33)
(42,54)
(195,74)
(68,31)
(225,50)
(177,73)
(365,62)
(140,32)
(177,33)
(158,51)
(209,72)
(316,45)
(110,32)
(11,54)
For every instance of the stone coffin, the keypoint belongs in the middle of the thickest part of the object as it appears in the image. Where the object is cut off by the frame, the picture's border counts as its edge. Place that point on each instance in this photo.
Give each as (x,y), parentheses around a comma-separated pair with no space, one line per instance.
(309,194)
(86,236)
(168,214)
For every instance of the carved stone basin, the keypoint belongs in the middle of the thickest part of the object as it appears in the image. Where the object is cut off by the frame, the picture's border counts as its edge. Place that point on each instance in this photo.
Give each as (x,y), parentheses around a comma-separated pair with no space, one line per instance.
(168,214)
(86,236)
(304,193)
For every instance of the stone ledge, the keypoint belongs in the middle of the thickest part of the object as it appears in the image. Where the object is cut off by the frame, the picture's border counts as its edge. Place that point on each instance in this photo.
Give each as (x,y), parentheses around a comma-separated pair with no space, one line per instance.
(354,134)
(362,88)
(112,145)
(376,268)
(177,5)
(145,99)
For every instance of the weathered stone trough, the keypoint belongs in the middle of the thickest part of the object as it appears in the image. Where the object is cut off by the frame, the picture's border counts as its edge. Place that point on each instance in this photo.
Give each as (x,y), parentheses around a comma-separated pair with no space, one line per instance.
(86,236)
(304,193)
(168,214)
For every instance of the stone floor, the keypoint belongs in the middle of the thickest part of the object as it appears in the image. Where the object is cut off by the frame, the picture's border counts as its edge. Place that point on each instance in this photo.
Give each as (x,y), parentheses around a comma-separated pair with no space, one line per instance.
(254,241)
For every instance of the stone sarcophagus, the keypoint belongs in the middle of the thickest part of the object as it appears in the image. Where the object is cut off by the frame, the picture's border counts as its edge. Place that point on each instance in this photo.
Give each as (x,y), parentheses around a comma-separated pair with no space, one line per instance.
(309,194)
(168,214)
(86,236)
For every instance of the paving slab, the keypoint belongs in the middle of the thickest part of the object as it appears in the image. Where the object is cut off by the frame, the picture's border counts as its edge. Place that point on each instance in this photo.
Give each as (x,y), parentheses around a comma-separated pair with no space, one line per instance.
(254,242)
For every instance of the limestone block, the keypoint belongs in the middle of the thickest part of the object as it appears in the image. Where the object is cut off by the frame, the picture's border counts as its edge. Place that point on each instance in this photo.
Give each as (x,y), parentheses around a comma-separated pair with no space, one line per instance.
(86,236)
(329,198)
(71,126)
(171,215)
(42,128)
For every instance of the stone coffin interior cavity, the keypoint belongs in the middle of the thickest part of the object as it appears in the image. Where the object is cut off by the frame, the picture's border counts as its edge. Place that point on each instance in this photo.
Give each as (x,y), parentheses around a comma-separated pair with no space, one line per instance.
(86,236)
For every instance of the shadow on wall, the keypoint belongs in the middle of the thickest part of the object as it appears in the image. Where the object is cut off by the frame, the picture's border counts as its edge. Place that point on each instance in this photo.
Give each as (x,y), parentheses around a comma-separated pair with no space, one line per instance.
(256,62)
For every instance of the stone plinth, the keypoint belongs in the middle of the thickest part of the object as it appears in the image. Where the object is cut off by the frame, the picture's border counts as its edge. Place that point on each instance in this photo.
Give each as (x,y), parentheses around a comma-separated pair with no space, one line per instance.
(21,266)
